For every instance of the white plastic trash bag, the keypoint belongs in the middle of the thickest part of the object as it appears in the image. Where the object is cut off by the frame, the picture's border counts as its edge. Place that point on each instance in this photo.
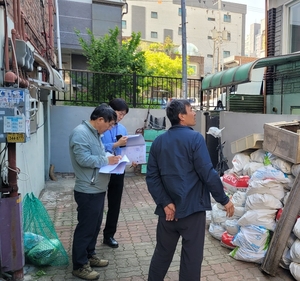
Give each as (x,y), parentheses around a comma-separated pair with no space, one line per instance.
(285,260)
(243,254)
(215,132)
(239,161)
(252,237)
(258,156)
(296,228)
(295,270)
(266,186)
(295,169)
(262,217)
(238,199)
(250,168)
(216,230)
(295,251)
(262,201)
(232,227)
(269,172)
(218,215)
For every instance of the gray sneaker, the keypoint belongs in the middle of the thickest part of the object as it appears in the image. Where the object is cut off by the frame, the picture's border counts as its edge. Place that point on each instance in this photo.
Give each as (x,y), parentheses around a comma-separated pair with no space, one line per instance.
(86,273)
(96,262)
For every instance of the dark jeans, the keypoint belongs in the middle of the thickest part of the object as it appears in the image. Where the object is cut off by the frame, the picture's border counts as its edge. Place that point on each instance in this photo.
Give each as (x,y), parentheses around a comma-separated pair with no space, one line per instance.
(192,231)
(89,215)
(114,197)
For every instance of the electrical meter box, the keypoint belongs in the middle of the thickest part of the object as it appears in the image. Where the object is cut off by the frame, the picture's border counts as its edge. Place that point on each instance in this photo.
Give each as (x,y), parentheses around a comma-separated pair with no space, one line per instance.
(14,115)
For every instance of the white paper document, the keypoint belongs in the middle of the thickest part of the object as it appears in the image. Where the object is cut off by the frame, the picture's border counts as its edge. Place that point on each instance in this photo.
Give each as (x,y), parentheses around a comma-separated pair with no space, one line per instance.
(135,149)
(116,168)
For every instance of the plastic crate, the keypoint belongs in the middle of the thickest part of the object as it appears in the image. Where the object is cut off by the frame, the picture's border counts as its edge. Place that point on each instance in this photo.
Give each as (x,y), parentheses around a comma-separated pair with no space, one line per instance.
(254,141)
(150,135)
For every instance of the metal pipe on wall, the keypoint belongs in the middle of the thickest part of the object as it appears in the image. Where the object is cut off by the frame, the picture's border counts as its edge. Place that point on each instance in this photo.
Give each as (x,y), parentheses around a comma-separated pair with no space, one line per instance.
(58,36)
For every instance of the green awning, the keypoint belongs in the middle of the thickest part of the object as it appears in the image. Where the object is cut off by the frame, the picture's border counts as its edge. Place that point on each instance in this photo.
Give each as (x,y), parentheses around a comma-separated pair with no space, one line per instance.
(242,74)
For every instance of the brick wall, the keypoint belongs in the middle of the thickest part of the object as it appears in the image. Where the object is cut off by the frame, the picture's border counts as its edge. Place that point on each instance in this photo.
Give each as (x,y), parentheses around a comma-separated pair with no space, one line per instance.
(37,18)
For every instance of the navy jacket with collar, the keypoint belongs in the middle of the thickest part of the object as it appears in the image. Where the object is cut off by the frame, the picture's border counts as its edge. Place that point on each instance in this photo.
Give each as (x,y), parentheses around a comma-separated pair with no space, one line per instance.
(180,171)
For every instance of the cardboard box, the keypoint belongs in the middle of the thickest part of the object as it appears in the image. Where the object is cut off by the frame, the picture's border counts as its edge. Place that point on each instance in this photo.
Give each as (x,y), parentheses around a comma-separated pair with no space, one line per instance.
(283,140)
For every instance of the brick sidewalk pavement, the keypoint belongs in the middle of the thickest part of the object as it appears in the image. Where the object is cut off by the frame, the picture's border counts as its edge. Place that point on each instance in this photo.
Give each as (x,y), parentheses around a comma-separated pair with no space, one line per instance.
(136,237)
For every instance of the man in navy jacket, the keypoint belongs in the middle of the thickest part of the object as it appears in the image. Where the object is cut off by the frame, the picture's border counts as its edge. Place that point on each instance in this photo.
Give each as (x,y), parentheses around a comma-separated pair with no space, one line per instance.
(180,178)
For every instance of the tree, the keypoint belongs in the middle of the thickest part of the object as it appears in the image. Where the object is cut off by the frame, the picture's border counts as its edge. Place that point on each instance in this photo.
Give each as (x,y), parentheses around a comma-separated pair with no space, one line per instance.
(113,63)
(162,60)
(108,54)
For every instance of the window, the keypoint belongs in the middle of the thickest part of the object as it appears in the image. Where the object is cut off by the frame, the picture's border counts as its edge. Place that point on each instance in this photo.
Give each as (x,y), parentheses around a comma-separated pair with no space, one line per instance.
(210,56)
(124,24)
(228,36)
(294,28)
(154,15)
(179,12)
(179,30)
(211,19)
(226,54)
(194,69)
(227,18)
(153,34)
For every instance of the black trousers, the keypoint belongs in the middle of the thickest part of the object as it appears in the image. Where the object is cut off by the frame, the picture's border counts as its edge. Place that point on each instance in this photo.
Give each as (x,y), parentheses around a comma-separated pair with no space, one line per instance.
(89,215)
(192,231)
(114,197)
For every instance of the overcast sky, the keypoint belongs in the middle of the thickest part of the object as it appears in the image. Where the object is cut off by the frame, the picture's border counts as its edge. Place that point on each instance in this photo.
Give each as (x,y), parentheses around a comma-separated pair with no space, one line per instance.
(255,11)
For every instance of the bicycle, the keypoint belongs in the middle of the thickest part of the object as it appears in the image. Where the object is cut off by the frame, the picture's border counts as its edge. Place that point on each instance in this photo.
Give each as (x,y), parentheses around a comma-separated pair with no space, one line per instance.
(222,165)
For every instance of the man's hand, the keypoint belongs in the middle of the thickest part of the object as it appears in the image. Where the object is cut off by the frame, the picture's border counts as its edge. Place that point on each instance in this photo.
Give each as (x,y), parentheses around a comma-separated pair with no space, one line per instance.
(114,159)
(170,212)
(229,208)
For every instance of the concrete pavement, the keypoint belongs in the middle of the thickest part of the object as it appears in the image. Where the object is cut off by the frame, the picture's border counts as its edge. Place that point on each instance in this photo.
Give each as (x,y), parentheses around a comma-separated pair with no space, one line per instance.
(136,237)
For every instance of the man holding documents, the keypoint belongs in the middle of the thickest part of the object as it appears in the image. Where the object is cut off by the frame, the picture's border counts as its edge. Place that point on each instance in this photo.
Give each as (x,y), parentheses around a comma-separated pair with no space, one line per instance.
(88,156)
(113,141)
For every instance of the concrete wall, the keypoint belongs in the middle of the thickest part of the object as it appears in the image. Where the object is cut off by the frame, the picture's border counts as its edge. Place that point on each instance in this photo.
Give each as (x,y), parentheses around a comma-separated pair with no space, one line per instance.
(237,125)
(65,118)
(31,159)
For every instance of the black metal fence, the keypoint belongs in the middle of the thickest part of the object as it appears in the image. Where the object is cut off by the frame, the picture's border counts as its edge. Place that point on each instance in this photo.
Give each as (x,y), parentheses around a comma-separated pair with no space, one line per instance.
(87,88)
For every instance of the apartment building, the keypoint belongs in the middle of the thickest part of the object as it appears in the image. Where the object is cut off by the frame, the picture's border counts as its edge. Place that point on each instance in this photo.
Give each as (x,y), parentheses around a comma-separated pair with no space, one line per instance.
(215,28)
(97,15)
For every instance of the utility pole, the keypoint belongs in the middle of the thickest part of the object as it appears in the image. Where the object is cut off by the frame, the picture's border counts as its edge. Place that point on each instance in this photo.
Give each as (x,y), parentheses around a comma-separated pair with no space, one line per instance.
(184,52)
(219,36)
(219,41)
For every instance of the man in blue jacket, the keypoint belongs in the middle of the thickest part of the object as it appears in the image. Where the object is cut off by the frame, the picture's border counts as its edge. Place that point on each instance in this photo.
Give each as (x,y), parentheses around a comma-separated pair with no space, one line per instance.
(180,178)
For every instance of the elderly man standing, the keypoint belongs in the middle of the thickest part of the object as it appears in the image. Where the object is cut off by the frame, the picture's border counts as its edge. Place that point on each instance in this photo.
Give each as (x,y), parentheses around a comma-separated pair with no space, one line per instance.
(87,156)
(180,178)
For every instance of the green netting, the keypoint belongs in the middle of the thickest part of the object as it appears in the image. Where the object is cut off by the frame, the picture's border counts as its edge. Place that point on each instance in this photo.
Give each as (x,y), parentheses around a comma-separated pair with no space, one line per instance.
(41,243)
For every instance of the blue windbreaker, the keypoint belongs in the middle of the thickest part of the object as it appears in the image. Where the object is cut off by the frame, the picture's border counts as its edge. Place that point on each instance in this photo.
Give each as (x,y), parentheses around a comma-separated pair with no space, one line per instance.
(180,171)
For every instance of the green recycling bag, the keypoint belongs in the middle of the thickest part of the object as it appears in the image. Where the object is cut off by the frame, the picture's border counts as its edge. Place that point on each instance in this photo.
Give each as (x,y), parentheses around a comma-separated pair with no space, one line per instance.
(41,243)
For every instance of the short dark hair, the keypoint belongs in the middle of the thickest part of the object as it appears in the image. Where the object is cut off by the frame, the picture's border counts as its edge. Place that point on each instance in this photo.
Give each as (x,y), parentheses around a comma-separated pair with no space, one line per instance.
(174,108)
(105,111)
(119,104)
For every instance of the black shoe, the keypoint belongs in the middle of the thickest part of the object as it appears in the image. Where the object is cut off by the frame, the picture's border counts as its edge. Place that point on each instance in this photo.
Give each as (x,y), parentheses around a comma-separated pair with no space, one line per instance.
(111,242)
